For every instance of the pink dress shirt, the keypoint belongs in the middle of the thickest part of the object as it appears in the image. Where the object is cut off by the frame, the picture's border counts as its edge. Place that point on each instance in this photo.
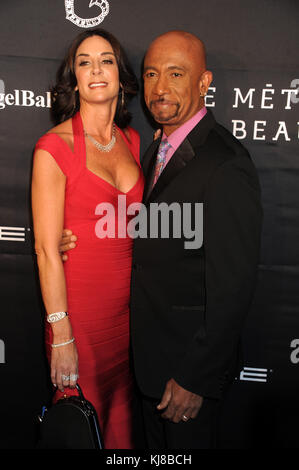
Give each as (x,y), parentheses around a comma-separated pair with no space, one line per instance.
(176,138)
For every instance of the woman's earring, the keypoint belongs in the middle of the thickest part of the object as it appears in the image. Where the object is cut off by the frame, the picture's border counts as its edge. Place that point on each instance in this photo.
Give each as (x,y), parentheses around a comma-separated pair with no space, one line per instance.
(122,96)
(75,101)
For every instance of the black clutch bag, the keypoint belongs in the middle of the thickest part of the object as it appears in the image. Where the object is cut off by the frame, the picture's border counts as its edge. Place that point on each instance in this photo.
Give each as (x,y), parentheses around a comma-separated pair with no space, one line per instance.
(71,423)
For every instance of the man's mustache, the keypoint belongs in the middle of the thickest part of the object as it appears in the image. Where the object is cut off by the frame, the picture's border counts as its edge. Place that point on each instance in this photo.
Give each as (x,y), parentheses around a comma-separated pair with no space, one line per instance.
(163,100)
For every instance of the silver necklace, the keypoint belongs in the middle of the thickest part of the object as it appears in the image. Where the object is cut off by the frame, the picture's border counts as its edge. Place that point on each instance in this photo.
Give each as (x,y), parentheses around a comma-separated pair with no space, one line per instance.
(100,147)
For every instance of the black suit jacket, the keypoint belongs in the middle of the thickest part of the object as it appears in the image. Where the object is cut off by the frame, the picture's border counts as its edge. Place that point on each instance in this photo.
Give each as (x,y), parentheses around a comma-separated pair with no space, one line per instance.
(188,305)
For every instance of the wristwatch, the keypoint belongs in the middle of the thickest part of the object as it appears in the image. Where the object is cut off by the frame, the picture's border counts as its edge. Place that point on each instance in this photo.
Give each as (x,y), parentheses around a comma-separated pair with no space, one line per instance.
(53,317)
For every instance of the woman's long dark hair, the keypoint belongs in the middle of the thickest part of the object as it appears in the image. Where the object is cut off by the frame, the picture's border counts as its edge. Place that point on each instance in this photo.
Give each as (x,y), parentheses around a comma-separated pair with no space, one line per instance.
(65,101)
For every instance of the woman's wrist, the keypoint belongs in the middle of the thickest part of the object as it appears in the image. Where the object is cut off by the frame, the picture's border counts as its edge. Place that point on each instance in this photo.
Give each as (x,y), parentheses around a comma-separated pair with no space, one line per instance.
(62,330)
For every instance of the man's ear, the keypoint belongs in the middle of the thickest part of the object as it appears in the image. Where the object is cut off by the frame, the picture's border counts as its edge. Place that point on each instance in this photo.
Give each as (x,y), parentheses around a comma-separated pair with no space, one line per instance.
(205,81)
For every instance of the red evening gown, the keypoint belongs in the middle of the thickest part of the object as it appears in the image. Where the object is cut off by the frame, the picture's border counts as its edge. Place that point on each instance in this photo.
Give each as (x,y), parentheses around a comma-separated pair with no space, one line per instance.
(98,273)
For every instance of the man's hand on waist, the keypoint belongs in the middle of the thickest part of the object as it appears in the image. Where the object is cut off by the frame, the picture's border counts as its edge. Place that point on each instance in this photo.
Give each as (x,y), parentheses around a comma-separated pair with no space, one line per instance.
(67,242)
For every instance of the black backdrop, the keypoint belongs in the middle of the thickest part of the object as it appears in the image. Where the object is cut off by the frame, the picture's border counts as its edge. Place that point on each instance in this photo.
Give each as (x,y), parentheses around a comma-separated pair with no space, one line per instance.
(253,52)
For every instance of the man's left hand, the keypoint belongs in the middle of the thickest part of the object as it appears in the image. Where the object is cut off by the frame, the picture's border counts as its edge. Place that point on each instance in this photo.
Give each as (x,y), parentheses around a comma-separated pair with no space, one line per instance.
(180,404)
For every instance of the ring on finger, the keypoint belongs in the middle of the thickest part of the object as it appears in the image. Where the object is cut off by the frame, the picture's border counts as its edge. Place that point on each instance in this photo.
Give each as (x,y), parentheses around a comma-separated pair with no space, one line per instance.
(65,377)
(73,377)
(185,418)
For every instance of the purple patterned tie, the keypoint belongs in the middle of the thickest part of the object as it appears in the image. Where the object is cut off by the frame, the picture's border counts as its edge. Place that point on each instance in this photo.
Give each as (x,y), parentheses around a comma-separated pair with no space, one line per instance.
(161,159)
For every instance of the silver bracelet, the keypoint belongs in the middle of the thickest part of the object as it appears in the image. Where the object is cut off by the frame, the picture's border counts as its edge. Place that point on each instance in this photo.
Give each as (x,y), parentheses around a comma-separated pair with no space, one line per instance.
(54,317)
(63,344)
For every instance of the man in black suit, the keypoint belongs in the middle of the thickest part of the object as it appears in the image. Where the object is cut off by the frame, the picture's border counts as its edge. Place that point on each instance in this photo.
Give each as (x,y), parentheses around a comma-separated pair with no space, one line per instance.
(188,305)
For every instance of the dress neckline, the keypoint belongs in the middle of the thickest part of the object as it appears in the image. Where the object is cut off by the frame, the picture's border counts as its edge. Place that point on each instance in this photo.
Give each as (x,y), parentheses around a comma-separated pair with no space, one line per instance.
(80,147)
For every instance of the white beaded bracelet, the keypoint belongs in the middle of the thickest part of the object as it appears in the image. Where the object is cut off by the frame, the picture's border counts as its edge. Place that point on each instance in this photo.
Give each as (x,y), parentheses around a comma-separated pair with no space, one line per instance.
(63,344)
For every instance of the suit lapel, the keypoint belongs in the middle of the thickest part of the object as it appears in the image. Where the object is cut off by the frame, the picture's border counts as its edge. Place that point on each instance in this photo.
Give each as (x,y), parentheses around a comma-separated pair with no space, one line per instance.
(178,161)
(148,166)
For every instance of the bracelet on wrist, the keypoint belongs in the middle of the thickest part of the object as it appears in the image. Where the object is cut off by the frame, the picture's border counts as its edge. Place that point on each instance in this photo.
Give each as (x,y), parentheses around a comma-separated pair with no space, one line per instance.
(54,317)
(63,344)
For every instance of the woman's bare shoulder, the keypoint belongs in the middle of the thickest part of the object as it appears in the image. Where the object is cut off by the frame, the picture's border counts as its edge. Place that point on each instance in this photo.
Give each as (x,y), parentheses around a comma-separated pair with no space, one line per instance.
(65,132)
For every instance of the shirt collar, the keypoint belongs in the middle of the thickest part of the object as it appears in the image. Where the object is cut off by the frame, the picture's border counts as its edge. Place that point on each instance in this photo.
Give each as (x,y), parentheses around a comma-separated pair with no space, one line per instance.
(176,138)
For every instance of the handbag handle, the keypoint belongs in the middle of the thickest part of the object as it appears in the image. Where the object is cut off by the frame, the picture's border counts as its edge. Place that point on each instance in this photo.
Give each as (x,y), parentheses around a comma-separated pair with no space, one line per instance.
(81,396)
(80,393)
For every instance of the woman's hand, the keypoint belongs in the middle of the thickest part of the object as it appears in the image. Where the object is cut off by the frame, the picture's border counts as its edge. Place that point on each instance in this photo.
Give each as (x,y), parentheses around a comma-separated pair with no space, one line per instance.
(64,363)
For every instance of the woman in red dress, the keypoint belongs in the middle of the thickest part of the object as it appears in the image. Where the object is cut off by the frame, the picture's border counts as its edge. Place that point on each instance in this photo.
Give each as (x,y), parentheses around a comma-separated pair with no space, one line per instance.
(91,157)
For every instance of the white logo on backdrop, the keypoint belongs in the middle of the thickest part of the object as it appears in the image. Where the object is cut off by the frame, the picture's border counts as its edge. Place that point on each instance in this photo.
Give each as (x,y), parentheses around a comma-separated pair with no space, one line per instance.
(295,353)
(252,374)
(2,87)
(86,22)
(266,99)
(12,234)
(26,98)
(2,352)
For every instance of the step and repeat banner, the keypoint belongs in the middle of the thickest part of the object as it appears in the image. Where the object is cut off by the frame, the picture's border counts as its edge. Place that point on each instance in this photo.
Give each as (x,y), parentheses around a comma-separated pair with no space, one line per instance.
(252,49)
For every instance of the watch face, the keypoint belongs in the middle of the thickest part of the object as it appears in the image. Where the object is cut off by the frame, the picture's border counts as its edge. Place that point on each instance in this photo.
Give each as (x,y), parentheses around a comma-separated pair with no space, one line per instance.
(53,317)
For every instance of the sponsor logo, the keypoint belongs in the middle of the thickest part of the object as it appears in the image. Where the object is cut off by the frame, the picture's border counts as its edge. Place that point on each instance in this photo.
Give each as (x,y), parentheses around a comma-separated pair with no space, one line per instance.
(12,234)
(295,96)
(269,100)
(295,353)
(2,87)
(25,98)
(252,374)
(2,352)
(86,22)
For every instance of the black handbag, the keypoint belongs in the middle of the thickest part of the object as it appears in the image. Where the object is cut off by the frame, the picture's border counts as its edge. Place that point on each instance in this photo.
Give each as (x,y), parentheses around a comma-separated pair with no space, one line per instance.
(71,423)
